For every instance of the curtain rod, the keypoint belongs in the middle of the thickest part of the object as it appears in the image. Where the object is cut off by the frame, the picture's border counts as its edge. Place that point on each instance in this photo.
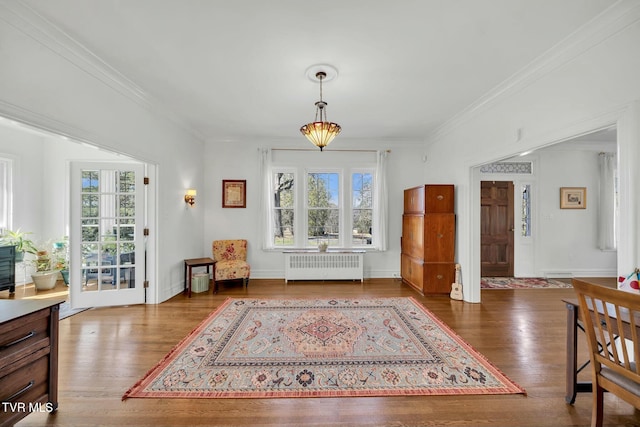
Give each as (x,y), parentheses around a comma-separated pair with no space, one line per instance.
(311,149)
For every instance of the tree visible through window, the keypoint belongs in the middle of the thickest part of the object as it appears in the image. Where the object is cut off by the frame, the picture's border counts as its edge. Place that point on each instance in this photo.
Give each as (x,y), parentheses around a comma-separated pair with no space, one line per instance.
(362,188)
(283,202)
(323,208)
(333,207)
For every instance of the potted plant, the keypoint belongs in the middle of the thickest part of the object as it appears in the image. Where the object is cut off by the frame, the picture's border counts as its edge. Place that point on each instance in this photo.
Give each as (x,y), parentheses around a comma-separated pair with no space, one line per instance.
(18,239)
(45,276)
(61,258)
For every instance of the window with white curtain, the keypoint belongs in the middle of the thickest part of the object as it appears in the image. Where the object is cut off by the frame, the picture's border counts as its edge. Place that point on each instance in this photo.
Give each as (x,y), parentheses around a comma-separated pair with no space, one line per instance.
(336,198)
(5,193)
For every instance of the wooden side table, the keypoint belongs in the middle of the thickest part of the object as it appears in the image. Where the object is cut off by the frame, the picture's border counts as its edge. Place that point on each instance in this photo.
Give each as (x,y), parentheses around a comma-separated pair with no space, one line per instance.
(188,266)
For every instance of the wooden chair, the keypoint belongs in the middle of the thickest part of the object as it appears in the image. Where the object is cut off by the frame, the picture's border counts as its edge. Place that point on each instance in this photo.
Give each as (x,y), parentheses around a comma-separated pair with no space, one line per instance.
(613,330)
(231,261)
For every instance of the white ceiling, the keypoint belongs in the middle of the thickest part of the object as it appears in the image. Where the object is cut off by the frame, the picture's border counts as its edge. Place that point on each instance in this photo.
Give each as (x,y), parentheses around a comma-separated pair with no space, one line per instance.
(235,70)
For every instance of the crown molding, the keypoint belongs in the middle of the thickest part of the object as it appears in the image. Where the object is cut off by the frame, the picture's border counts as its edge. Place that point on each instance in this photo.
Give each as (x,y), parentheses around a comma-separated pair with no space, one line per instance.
(26,20)
(609,23)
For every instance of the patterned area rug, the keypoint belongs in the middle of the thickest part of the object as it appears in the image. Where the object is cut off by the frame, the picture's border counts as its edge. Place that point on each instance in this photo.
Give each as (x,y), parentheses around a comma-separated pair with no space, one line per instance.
(520,283)
(250,348)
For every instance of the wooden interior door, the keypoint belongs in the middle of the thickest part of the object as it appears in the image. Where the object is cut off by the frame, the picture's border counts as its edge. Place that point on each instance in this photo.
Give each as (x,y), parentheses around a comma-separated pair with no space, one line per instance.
(496,225)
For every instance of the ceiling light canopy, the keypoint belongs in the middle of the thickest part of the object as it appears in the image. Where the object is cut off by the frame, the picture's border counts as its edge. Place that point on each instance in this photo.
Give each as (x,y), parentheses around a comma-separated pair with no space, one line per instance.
(321,131)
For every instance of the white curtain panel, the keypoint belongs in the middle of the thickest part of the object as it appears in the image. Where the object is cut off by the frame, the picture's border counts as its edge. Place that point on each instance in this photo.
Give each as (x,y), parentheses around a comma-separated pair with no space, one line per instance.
(381,202)
(266,198)
(607,207)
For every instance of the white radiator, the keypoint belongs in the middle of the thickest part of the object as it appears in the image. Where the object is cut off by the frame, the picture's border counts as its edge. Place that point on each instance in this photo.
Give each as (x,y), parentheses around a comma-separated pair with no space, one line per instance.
(346,265)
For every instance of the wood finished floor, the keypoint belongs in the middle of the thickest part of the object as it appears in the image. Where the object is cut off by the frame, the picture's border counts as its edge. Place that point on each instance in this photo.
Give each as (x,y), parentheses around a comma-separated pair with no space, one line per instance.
(106,350)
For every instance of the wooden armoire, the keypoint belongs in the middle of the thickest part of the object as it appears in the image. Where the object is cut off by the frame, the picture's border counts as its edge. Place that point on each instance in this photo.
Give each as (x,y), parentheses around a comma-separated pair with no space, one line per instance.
(428,238)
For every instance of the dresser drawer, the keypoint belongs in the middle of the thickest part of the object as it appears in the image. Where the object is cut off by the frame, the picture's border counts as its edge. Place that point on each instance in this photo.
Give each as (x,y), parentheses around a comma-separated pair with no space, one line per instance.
(29,383)
(438,277)
(439,199)
(22,337)
(439,237)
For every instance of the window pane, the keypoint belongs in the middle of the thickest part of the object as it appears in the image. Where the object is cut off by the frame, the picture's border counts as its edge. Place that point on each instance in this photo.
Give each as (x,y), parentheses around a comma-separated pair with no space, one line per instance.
(526,210)
(283,203)
(362,199)
(324,226)
(323,217)
(362,190)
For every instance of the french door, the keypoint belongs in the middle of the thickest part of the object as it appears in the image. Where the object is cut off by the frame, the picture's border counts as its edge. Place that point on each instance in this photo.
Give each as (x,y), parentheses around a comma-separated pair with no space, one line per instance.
(106,234)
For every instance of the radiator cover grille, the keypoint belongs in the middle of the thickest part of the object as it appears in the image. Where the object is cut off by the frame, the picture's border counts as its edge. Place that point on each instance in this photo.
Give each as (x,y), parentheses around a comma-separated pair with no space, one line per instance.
(324,266)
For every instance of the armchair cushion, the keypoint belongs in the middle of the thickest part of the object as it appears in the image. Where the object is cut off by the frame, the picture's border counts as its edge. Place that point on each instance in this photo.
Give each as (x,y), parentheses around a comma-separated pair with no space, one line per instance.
(231,260)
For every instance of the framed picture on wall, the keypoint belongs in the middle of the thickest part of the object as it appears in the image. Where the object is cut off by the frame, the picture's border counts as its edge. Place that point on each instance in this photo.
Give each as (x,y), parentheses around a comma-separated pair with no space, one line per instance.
(573,197)
(234,193)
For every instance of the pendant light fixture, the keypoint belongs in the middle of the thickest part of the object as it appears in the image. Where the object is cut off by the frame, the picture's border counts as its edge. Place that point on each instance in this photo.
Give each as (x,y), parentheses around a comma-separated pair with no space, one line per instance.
(321,131)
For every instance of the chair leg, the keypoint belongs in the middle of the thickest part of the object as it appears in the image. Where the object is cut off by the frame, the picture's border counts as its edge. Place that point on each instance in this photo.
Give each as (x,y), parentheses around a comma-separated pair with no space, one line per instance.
(246,282)
(215,286)
(597,415)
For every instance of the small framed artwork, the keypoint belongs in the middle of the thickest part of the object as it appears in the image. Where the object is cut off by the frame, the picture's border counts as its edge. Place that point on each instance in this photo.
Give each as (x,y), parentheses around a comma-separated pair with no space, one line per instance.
(234,193)
(573,197)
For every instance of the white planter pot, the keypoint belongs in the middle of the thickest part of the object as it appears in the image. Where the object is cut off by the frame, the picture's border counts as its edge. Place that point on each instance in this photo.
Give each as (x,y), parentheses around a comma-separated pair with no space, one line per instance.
(44,280)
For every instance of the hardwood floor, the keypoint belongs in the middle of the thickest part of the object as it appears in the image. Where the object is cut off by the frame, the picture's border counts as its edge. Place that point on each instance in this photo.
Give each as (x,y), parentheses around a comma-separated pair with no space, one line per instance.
(104,351)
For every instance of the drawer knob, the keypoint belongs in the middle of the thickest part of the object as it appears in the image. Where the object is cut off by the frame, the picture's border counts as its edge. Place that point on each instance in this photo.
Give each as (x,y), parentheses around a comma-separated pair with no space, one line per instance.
(440,235)
(439,276)
(440,197)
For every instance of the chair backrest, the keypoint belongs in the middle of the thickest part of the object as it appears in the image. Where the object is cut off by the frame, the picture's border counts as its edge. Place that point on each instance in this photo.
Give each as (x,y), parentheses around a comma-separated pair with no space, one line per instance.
(613,324)
(228,250)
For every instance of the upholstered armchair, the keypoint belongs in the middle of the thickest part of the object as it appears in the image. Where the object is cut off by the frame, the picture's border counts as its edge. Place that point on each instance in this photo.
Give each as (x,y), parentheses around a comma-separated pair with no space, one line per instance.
(231,261)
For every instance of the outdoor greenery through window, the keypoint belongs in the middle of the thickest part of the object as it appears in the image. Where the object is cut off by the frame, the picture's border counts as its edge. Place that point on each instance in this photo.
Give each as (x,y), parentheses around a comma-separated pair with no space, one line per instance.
(283,208)
(336,207)
(323,209)
(108,209)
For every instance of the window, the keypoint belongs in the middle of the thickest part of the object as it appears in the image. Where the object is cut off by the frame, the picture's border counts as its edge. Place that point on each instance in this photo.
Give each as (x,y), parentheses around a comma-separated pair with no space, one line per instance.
(362,204)
(283,207)
(5,193)
(323,209)
(332,201)
(526,210)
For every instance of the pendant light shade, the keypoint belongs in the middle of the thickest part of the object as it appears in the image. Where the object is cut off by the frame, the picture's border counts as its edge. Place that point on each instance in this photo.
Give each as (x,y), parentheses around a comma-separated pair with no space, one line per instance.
(321,131)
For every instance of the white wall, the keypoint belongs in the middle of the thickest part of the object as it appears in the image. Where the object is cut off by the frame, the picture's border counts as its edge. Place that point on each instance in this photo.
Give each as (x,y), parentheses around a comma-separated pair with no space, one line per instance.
(48,82)
(568,238)
(591,85)
(240,160)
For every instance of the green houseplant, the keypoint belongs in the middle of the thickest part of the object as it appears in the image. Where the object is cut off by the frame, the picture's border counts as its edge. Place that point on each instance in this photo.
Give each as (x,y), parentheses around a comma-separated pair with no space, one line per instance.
(18,239)
(61,258)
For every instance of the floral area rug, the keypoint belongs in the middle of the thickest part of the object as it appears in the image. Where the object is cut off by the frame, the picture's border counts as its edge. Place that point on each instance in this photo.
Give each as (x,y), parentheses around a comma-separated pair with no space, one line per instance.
(251,348)
(520,283)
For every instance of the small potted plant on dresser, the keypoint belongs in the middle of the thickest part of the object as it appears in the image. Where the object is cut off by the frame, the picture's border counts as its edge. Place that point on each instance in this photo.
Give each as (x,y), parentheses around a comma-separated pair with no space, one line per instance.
(45,276)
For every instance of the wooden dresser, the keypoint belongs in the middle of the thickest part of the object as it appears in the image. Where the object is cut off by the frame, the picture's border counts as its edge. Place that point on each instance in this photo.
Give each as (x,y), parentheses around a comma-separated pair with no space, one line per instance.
(8,268)
(428,238)
(28,358)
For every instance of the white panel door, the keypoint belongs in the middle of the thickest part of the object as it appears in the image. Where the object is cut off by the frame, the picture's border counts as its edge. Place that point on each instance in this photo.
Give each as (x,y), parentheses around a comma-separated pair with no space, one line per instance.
(106,234)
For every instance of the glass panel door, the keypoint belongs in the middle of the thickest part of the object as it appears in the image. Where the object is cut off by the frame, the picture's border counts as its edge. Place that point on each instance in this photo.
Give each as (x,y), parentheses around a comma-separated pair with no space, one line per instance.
(107,243)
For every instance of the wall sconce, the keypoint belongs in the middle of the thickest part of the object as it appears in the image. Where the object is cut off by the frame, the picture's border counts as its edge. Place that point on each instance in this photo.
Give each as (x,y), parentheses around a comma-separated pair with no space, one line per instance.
(190,197)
